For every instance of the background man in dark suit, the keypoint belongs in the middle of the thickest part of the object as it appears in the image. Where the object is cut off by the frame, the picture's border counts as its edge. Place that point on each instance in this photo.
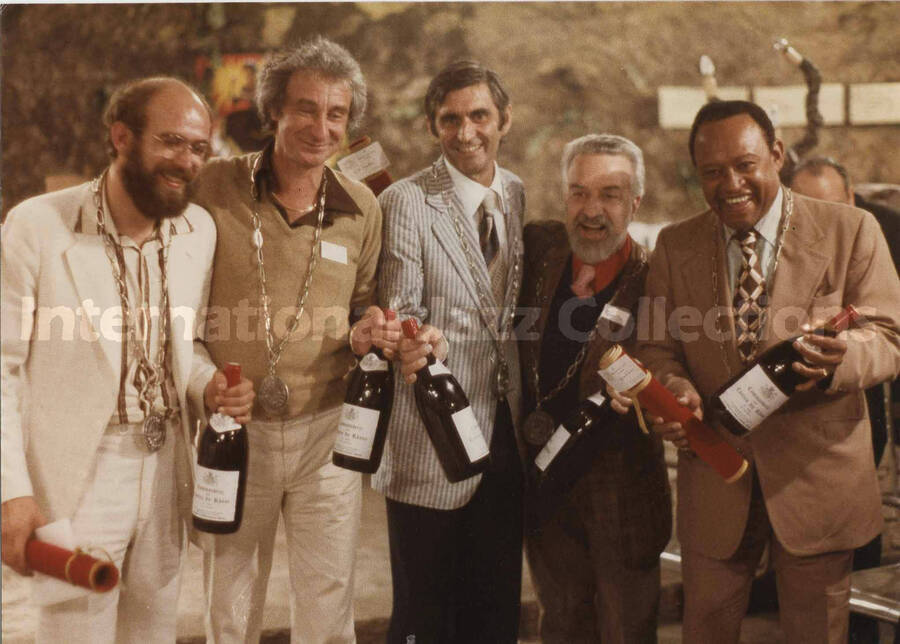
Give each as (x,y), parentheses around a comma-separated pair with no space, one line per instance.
(826,179)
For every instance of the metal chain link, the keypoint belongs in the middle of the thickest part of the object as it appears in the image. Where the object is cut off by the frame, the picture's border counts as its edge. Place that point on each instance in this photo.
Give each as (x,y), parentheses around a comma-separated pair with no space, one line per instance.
(150,374)
(274,351)
(582,353)
(502,332)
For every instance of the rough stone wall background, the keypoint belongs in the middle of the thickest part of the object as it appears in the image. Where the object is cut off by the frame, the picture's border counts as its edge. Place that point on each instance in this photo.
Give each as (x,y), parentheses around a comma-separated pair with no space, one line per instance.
(570,68)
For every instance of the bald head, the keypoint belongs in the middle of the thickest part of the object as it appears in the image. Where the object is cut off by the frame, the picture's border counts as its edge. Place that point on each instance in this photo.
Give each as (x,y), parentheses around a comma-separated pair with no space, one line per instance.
(130,103)
(823,181)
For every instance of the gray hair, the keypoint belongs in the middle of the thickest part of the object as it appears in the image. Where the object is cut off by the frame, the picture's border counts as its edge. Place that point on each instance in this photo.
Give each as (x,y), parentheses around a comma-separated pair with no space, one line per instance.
(318,55)
(606,144)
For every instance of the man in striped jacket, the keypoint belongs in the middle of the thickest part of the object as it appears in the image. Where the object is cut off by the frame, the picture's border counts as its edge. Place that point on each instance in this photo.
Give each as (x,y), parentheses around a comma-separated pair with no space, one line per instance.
(451,257)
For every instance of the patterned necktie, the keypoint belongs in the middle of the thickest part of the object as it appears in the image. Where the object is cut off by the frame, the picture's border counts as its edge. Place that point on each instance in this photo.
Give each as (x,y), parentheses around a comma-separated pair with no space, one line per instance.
(749,298)
(490,245)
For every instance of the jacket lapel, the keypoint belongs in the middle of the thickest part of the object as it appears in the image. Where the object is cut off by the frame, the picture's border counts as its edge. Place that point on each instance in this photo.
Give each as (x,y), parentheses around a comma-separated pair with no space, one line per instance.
(182,308)
(514,243)
(92,277)
(552,268)
(800,269)
(441,196)
(705,272)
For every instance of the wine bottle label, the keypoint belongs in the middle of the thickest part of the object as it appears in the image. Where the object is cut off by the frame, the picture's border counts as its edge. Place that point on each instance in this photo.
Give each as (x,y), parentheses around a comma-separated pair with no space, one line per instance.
(752,398)
(470,433)
(551,449)
(623,374)
(223,423)
(364,163)
(356,431)
(616,314)
(438,368)
(215,494)
(598,399)
(371,362)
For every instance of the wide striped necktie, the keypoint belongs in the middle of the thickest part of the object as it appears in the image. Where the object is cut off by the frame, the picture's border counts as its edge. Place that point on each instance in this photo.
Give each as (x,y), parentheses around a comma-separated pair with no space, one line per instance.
(749,299)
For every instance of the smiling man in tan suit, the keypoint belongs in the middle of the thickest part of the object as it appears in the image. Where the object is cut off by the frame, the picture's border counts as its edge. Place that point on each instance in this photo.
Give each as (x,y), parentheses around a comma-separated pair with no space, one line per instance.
(812,494)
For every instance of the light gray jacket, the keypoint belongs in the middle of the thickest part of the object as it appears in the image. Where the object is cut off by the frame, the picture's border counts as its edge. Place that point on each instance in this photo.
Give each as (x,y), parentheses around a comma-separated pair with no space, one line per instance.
(424,274)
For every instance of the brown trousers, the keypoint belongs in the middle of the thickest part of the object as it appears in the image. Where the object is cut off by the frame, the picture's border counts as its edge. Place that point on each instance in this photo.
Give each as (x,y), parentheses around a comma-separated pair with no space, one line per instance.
(813,591)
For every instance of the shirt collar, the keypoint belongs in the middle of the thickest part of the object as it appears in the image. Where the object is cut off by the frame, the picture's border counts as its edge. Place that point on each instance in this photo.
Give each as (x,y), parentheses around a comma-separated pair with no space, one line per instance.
(470,192)
(767,226)
(337,200)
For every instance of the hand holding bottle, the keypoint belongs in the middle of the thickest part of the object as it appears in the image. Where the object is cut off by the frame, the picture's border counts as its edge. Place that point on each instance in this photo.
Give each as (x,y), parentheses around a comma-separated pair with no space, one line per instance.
(821,355)
(375,329)
(236,401)
(414,351)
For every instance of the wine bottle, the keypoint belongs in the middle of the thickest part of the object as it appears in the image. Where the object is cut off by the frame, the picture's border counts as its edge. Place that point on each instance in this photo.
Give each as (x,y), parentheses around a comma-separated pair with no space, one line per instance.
(448,417)
(220,477)
(754,394)
(366,412)
(593,425)
(624,374)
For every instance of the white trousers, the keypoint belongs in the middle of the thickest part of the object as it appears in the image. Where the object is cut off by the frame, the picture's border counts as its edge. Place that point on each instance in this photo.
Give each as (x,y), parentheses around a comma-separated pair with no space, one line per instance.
(129,510)
(290,474)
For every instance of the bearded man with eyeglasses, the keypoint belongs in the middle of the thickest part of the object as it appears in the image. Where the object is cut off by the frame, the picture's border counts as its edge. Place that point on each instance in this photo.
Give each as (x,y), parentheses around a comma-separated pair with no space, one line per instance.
(101,284)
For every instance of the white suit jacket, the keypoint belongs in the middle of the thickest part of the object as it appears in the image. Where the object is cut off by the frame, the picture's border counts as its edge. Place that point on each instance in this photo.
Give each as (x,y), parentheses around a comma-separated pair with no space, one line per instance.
(61,343)
(424,274)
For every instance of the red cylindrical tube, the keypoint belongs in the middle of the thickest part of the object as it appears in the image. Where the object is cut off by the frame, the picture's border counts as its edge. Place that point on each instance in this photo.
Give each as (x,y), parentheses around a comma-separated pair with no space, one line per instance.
(76,568)
(661,402)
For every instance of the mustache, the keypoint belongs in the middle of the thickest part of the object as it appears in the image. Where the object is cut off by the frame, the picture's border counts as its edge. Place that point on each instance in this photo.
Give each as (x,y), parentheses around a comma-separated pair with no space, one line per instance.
(175,171)
(592,221)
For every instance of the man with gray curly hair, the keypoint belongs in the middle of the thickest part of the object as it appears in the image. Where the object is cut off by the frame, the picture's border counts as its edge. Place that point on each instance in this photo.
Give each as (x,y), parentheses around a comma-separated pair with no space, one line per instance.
(594,533)
(294,267)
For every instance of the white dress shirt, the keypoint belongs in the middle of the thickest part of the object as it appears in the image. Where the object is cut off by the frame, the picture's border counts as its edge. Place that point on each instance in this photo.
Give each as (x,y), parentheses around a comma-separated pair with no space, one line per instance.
(471,194)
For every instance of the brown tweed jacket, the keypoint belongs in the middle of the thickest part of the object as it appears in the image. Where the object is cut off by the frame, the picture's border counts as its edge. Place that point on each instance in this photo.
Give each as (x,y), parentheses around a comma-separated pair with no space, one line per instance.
(628,488)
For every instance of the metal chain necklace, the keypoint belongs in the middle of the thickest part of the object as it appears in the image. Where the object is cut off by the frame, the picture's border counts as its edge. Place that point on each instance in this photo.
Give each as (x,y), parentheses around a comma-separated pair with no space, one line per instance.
(152,376)
(273,391)
(779,244)
(502,330)
(539,425)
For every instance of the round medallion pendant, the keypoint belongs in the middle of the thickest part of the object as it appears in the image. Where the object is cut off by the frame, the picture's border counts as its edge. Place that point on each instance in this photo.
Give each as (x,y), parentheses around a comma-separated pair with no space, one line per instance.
(154,431)
(538,428)
(273,395)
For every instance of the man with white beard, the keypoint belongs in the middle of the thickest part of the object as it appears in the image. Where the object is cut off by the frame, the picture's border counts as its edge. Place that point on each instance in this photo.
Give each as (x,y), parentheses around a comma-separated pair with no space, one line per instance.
(594,551)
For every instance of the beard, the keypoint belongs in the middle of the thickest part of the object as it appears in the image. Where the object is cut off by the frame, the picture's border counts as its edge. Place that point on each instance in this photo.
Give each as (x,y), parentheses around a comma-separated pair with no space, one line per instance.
(144,186)
(592,251)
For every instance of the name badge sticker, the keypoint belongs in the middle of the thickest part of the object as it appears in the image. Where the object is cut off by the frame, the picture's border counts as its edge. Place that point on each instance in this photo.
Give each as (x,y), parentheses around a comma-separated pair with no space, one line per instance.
(334,252)
(616,314)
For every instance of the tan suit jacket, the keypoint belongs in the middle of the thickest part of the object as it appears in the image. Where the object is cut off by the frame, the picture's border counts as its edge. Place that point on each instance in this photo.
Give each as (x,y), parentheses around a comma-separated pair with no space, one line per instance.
(61,346)
(813,456)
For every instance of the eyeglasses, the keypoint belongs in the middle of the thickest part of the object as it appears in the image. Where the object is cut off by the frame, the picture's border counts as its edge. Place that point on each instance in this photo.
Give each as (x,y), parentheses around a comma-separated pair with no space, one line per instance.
(175,144)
